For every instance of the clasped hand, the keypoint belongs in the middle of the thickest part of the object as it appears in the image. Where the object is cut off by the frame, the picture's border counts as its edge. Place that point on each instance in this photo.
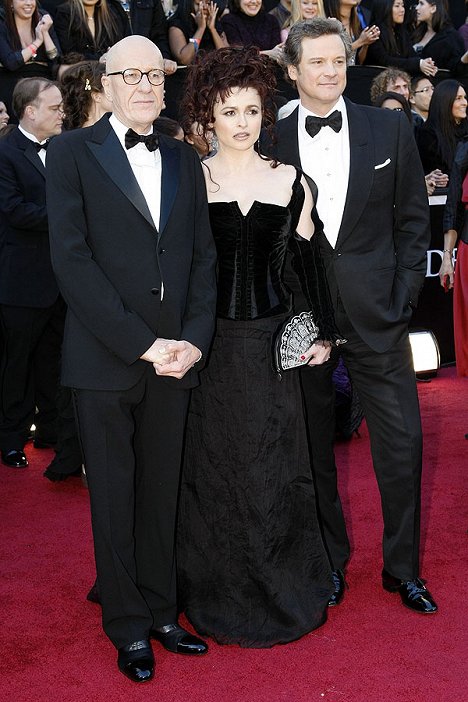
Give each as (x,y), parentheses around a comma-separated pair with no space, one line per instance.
(318,353)
(172,358)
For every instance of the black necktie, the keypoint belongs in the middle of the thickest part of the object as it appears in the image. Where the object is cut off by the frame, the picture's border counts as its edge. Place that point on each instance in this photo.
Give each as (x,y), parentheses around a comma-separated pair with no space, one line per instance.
(151,141)
(41,146)
(314,124)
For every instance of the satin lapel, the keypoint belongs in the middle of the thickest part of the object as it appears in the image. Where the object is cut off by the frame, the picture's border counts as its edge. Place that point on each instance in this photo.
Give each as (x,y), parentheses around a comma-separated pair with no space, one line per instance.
(111,156)
(170,159)
(288,141)
(31,154)
(361,169)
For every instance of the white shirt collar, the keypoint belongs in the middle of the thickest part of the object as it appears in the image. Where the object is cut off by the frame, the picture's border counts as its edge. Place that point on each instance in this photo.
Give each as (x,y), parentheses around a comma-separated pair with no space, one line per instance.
(121,129)
(340,105)
(30,136)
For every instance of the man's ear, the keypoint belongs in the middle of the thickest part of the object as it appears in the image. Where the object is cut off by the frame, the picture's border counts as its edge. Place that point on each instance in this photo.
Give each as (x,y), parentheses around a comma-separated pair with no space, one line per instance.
(292,72)
(106,85)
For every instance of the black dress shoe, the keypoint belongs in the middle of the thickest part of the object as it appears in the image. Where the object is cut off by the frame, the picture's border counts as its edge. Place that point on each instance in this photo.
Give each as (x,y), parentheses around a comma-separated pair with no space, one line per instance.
(15,458)
(55,477)
(93,595)
(178,640)
(340,584)
(44,443)
(413,593)
(136,661)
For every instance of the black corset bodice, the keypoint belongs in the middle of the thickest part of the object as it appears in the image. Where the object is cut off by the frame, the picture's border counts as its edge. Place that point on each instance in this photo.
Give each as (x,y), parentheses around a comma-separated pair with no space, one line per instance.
(251,254)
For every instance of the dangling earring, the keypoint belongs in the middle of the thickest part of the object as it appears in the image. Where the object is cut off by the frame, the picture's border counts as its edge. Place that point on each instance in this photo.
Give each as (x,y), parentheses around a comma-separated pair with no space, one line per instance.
(87,84)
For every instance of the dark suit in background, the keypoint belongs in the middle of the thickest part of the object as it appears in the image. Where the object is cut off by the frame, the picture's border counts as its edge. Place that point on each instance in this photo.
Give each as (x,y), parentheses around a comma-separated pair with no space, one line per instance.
(32,313)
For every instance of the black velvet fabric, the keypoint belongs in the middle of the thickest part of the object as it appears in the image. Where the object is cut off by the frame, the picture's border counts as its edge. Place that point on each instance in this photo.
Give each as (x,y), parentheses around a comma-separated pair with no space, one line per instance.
(251,563)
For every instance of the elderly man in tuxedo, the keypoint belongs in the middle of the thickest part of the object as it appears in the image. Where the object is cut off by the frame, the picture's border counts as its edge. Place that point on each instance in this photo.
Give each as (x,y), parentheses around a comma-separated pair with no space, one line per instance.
(134,257)
(372,200)
(31,310)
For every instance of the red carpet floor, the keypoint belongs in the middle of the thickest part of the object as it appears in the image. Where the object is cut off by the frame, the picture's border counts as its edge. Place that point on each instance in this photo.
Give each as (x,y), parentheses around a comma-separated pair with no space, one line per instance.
(371,649)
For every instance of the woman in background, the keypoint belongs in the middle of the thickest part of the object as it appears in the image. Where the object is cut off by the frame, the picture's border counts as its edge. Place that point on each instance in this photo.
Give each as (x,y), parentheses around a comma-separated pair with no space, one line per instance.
(247,24)
(394,101)
(456,228)
(90,27)
(346,12)
(435,36)
(84,100)
(302,10)
(252,569)
(28,45)
(195,25)
(394,46)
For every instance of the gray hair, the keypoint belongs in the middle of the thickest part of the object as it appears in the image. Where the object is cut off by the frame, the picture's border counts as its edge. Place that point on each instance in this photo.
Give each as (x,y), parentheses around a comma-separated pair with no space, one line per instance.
(312,29)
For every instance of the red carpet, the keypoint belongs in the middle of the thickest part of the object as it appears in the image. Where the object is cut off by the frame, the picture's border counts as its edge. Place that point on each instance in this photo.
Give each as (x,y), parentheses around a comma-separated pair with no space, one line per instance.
(371,649)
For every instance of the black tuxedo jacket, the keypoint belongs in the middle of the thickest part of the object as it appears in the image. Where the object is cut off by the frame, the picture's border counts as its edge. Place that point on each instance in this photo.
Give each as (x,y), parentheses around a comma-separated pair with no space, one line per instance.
(379,260)
(111,261)
(26,275)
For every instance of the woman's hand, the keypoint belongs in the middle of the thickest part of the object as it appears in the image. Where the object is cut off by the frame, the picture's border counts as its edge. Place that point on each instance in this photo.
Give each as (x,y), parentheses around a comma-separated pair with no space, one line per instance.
(446,271)
(368,36)
(211,12)
(200,16)
(428,67)
(275,53)
(46,23)
(317,354)
(169,66)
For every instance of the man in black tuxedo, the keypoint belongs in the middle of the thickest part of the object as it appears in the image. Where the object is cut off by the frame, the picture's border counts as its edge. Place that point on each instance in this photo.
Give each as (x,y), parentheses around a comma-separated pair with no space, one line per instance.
(134,257)
(372,200)
(31,311)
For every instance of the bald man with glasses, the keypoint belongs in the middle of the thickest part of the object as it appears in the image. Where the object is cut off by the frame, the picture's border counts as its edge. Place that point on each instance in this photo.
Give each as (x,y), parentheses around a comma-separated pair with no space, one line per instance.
(134,257)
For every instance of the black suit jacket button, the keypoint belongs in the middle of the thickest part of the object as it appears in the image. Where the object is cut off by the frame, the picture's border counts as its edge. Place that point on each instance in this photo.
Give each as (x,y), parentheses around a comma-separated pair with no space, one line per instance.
(155,291)
(161,251)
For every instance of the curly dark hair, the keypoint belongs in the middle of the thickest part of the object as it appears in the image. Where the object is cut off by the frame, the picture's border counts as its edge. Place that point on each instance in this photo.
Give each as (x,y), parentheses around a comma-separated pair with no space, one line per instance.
(214,75)
(77,84)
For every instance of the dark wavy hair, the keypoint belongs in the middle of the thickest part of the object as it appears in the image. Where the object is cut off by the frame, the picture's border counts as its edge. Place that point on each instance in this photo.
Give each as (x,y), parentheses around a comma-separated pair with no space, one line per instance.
(333,9)
(214,75)
(440,119)
(440,20)
(11,24)
(77,84)
(395,38)
(390,95)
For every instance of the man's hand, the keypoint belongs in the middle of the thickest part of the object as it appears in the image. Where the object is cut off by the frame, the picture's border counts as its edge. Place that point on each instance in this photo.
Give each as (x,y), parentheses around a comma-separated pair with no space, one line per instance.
(158,352)
(318,353)
(184,355)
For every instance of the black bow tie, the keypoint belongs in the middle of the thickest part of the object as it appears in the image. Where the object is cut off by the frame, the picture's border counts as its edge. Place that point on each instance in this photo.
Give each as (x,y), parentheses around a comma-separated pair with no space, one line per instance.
(39,147)
(151,141)
(314,124)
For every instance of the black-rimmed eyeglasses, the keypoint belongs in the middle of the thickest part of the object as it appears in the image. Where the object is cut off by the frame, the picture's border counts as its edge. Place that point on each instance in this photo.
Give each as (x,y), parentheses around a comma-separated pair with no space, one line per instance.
(133,76)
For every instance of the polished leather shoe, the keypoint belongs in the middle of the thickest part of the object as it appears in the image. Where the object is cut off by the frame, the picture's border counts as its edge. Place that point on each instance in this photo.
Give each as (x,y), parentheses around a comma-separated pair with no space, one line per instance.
(55,477)
(340,584)
(94,595)
(413,593)
(178,640)
(136,661)
(15,458)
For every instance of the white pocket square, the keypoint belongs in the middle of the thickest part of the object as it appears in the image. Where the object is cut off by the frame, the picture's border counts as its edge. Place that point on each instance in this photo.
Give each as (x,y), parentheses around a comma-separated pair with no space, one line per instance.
(382,165)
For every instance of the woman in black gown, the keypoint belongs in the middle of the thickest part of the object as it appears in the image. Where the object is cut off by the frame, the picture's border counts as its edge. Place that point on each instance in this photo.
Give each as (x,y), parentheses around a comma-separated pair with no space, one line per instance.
(251,563)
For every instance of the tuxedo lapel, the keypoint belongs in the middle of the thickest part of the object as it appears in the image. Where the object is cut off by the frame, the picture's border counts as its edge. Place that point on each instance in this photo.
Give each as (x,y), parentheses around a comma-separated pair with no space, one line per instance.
(287,148)
(361,169)
(30,152)
(108,151)
(170,181)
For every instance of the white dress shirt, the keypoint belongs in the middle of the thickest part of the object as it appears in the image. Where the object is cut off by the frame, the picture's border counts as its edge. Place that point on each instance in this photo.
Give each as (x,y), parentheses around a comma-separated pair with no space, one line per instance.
(325,158)
(42,153)
(146,167)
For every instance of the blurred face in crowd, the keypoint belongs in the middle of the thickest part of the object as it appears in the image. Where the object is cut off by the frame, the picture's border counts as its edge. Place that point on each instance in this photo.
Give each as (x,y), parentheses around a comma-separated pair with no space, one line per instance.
(23,9)
(425,11)
(399,85)
(320,76)
(136,106)
(421,96)
(250,7)
(309,9)
(4,116)
(45,114)
(392,104)
(398,12)
(459,106)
